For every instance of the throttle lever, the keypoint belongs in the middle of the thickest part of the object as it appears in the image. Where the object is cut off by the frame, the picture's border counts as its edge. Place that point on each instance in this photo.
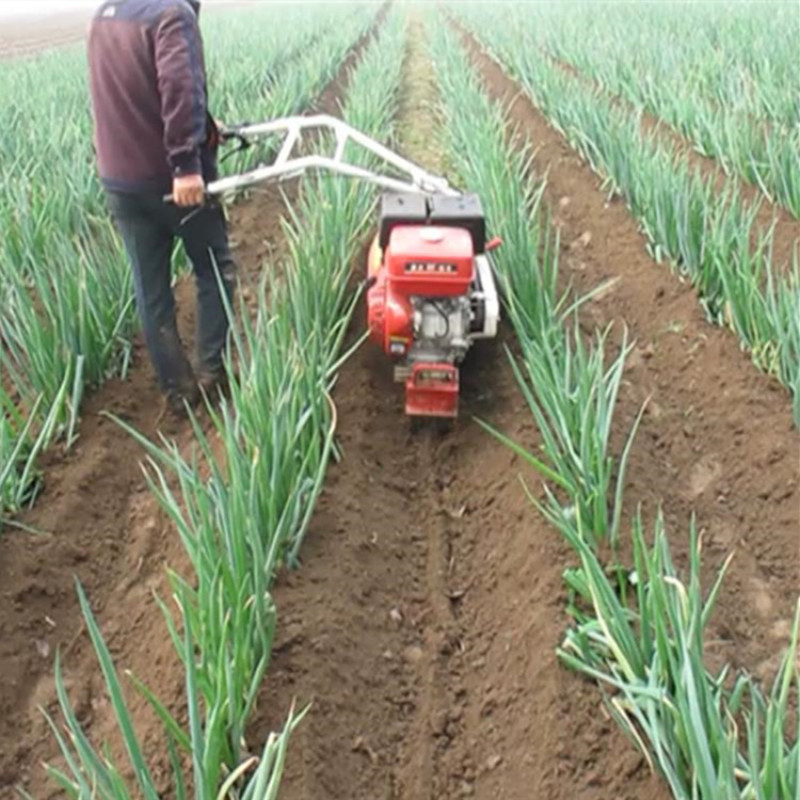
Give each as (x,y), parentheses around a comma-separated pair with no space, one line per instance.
(234,133)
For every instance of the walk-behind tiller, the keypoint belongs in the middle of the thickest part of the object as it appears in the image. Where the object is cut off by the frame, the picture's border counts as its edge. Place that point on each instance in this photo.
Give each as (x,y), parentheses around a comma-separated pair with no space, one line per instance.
(432,289)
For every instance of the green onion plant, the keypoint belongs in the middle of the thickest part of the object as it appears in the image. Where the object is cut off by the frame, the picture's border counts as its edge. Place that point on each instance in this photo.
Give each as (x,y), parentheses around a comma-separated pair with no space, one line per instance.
(242,498)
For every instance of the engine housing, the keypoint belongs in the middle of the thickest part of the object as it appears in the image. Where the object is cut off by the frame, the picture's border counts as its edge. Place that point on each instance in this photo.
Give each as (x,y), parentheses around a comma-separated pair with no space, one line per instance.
(431,295)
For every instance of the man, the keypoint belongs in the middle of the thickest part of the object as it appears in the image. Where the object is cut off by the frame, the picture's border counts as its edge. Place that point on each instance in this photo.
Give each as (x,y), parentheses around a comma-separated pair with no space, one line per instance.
(154,136)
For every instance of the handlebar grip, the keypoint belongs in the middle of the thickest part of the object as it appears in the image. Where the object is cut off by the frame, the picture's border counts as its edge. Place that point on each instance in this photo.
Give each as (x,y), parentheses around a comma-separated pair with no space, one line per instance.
(207,198)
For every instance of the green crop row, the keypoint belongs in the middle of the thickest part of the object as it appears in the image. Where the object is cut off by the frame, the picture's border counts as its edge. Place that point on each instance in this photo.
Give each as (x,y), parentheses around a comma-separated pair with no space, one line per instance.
(637,628)
(724,76)
(740,55)
(245,494)
(65,286)
(710,236)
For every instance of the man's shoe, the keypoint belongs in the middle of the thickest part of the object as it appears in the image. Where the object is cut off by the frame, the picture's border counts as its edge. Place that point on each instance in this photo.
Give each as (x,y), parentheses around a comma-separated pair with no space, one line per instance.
(178,401)
(211,381)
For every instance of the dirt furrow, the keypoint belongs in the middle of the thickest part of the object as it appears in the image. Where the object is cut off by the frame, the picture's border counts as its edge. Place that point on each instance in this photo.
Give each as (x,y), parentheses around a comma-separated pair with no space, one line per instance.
(102,524)
(422,625)
(717,439)
(786,233)
(441,638)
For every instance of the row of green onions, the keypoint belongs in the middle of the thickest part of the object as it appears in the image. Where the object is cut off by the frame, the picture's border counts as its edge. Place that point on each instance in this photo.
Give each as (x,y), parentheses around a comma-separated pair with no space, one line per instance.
(570,390)
(727,78)
(638,628)
(740,55)
(710,236)
(242,498)
(65,286)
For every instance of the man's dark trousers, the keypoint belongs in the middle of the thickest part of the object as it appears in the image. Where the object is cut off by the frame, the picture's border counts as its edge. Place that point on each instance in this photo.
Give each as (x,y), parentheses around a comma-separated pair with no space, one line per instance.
(149,228)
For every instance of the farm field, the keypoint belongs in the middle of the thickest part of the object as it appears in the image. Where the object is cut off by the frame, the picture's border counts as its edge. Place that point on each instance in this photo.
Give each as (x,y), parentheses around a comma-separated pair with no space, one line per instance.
(22,38)
(27,28)
(301,595)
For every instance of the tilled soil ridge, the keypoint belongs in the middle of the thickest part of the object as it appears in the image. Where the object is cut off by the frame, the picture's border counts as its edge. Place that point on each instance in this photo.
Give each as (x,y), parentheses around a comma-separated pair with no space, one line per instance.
(423,622)
(422,625)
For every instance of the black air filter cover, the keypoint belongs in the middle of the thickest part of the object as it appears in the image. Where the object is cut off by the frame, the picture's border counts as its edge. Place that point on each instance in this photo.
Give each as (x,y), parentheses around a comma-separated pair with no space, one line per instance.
(460,212)
(400,209)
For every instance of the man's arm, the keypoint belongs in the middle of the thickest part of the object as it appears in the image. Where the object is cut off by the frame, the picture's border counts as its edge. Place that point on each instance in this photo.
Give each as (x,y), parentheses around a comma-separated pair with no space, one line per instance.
(181,84)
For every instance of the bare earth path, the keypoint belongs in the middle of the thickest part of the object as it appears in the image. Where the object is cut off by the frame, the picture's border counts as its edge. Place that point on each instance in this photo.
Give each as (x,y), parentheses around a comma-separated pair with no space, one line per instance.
(26,35)
(423,622)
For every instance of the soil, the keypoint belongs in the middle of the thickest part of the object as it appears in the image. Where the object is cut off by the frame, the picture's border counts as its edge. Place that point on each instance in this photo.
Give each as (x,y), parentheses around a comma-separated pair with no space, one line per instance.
(99,523)
(26,37)
(30,35)
(422,625)
(423,622)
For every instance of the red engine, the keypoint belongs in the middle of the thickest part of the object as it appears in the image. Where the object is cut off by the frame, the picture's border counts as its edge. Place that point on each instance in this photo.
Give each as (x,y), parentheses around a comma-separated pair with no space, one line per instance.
(428,296)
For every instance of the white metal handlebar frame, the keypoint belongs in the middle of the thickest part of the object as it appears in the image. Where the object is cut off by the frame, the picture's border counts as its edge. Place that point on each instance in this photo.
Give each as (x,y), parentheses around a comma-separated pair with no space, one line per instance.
(286,166)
